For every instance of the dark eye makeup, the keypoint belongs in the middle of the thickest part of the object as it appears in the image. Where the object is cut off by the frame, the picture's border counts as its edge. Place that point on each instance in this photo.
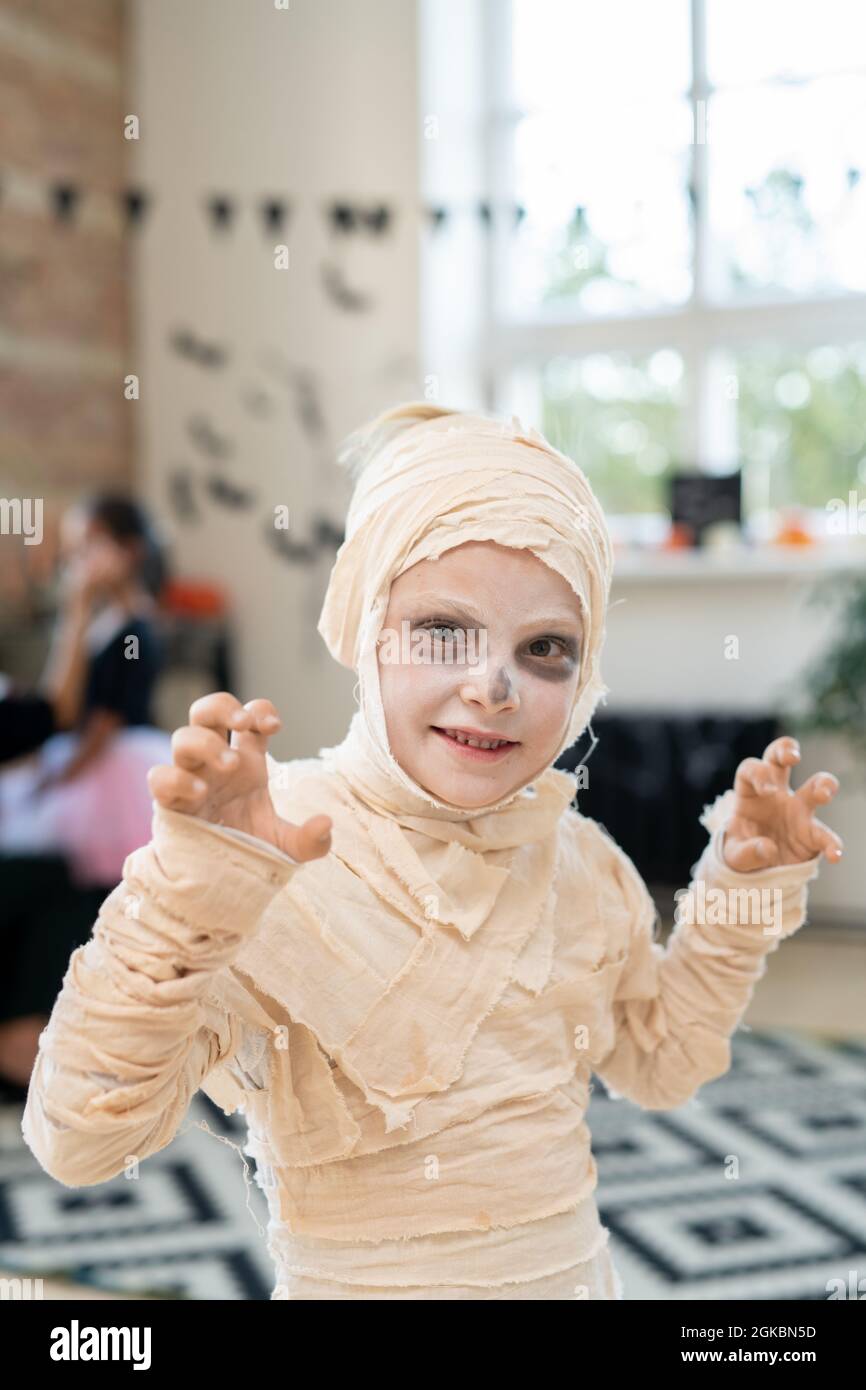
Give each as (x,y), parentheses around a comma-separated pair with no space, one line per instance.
(568,646)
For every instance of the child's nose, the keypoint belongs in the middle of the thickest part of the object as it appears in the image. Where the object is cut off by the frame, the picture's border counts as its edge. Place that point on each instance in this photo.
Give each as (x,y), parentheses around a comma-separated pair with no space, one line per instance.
(495,689)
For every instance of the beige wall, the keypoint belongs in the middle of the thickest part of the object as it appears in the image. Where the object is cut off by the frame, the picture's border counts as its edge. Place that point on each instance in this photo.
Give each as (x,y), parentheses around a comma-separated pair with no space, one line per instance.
(314,103)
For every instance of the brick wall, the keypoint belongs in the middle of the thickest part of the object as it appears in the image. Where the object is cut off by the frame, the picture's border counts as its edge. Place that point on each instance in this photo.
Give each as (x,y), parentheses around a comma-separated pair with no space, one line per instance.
(64,316)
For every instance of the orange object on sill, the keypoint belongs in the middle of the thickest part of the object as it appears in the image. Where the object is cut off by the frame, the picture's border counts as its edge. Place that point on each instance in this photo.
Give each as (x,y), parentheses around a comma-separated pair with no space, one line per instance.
(679,537)
(792,531)
(195,597)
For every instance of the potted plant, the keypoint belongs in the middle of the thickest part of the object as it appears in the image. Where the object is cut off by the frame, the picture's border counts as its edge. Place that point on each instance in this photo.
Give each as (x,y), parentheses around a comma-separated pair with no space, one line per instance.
(829,696)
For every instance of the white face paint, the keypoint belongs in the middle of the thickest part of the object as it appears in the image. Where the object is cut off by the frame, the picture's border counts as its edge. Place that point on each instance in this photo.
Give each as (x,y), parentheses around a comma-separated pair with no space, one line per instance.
(487,638)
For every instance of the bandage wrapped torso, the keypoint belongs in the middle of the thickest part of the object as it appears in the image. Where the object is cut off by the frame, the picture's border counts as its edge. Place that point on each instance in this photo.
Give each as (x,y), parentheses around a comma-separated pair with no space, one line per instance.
(219,964)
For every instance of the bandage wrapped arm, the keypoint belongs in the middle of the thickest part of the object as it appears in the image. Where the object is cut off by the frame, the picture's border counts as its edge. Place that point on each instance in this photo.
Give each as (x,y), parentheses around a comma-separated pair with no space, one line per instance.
(132,1035)
(677,1007)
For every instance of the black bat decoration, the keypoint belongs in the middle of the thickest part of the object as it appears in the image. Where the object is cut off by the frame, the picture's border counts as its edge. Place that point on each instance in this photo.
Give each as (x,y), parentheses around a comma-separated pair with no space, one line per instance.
(327,535)
(274,213)
(134,201)
(341,293)
(181,497)
(308,405)
(228,494)
(186,344)
(208,440)
(304,386)
(298,552)
(342,217)
(377,219)
(345,218)
(222,211)
(64,197)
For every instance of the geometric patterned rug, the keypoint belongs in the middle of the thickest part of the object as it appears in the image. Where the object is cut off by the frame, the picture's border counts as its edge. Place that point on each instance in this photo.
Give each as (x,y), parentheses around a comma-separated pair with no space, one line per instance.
(182,1229)
(754,1190)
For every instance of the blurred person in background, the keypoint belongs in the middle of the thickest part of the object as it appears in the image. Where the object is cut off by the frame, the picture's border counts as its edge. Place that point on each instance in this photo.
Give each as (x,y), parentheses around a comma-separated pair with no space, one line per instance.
(72,811)
(28,718)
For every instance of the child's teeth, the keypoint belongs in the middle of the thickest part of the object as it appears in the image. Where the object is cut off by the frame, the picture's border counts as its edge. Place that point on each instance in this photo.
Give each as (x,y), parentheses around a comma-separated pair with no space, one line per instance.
(475,742)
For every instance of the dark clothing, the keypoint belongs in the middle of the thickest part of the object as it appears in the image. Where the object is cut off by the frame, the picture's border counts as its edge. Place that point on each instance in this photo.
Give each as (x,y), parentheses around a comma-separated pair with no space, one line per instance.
(653,773)
(122,676)
(26,721)
(44,913)
(43,917)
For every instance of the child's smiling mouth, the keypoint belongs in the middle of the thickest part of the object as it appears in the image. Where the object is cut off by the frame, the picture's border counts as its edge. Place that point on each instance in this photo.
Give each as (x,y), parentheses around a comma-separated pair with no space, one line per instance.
(475,743)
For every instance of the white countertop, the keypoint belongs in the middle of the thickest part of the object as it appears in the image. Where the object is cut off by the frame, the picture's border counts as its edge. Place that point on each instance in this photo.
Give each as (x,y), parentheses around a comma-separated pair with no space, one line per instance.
(739,563)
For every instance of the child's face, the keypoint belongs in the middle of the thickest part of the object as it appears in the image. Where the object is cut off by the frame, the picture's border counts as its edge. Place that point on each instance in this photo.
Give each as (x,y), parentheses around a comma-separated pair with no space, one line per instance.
(90,551)
(529,618)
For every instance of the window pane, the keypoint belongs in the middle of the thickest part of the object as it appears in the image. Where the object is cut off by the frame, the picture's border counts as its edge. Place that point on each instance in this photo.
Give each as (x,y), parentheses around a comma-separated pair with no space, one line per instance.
(563,48)
(619,417)
(600,158)
(753,42)
(607,225)
(788,188)
(801,424)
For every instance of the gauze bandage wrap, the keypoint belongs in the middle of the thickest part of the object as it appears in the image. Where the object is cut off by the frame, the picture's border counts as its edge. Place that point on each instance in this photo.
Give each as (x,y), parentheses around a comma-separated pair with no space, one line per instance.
(441,482)
(410,1022)
(475,886)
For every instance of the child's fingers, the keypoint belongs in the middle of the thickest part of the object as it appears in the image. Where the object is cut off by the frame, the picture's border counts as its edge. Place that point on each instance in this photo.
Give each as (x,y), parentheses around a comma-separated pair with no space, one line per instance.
(825,841)
(818,789)
(311,840)
(221,712)
(782,753)
(262,722)
(203,751)
(744,856)
(176,789)
(754,777)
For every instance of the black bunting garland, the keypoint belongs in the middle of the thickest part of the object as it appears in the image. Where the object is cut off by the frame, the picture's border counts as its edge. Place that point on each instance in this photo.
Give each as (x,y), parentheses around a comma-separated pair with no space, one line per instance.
(342,216)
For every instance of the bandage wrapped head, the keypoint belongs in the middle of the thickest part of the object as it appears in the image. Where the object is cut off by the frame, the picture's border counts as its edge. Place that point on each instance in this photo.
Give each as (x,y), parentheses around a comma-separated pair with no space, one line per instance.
(429,479)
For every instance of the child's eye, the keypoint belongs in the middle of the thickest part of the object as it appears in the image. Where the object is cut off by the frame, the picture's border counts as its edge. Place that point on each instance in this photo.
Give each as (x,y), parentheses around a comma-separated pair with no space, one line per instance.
(447,631)
(561,646)
(436,626)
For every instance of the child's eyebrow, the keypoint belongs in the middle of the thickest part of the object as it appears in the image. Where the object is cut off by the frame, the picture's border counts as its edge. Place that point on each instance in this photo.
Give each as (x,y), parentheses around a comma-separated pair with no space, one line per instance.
(464,610)
(458,607)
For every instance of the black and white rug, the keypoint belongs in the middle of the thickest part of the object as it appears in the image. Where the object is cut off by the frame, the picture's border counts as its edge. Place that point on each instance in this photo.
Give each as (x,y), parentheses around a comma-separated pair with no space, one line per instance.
(182,1229)
(754,1190)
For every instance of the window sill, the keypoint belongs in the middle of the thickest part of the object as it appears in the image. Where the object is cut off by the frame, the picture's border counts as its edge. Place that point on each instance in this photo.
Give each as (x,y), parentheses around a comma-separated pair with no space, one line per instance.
(743,563)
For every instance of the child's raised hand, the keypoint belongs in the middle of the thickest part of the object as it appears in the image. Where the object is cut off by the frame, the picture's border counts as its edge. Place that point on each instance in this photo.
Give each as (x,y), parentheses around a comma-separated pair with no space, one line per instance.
(228,783)
(770,824)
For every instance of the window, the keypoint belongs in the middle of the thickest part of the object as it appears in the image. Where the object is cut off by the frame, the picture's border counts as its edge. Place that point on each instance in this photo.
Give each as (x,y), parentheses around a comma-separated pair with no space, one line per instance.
(685,283)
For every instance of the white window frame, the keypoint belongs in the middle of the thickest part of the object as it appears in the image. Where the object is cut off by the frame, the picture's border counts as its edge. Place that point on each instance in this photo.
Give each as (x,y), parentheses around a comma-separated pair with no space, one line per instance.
(698,330)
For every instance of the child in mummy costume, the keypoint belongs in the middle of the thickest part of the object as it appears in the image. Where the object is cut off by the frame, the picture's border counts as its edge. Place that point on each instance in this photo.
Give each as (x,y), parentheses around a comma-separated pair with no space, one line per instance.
(403,959)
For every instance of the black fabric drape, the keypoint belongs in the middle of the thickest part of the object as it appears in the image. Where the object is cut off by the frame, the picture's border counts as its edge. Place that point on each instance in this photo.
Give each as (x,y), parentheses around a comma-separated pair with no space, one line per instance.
(650,776)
